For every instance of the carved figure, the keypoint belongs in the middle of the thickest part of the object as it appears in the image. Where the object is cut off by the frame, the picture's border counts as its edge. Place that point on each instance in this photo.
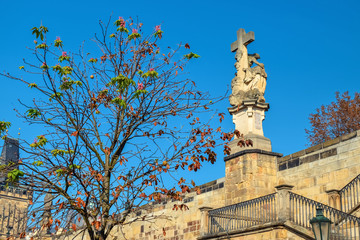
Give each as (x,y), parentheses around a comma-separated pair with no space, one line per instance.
(249,81)
(48,205)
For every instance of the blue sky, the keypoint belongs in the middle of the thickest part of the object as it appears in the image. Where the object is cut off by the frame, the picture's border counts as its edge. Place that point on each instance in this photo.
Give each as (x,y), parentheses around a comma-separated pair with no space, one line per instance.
(310,50)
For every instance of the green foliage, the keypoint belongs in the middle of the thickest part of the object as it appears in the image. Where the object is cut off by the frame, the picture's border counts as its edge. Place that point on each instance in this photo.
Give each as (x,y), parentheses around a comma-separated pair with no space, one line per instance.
(14,175)
(74,166)
(121,82)
(55,95)
(191,55)
(122,29)
(38,163)
(152,74)
(4,126)
(33,113)
(134,36)
(158,33)
(68,84)
(62,70)
(67,70)
(93,60)
(39,142)
(62,58)
(119,102)
(44,66)
(58,43)
(103,92)
(138,92)
(42,46)
(60,172)
(112,35)
(61,152)
(39,32)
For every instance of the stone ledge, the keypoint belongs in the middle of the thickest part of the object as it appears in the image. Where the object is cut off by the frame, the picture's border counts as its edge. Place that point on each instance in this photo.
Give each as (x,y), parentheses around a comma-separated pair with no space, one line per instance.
(246,151)
(319,146)
(291,227)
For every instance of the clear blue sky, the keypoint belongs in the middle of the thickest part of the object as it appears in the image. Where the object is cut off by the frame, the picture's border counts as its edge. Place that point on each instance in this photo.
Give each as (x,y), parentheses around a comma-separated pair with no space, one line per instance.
(310,50)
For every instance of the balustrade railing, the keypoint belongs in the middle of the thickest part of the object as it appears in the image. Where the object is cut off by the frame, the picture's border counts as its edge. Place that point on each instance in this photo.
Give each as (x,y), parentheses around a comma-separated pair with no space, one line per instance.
(350,195)
(243,215)
(344,226)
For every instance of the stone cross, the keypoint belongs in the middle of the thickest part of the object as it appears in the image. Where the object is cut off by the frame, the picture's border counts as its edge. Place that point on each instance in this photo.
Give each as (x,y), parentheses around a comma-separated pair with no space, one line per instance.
(242,39)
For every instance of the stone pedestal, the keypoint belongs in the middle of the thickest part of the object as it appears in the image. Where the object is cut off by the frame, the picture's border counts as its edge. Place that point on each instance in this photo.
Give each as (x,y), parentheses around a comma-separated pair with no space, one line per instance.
(248,119)
(249,174)
(250,171)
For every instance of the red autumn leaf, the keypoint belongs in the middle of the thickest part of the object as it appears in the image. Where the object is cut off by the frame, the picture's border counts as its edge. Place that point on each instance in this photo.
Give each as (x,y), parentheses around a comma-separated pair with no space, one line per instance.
(187,46)
(107,151)
(75,133)
(97,225)
(73,226)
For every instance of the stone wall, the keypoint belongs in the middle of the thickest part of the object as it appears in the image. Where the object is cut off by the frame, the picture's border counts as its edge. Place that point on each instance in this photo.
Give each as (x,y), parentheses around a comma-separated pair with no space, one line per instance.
(13,210)
(249,174)
(326,166)
(173,224)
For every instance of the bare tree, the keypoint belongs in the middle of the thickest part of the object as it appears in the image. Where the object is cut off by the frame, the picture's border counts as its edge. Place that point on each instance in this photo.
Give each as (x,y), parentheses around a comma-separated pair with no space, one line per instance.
(113,128)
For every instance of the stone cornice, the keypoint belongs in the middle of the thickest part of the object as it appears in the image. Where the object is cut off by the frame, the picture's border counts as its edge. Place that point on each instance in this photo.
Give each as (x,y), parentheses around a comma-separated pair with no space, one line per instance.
(246,151)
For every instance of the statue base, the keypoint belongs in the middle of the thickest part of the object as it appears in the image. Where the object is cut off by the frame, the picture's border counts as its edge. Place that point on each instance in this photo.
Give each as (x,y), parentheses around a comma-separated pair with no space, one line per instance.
(248,118)
(259,142)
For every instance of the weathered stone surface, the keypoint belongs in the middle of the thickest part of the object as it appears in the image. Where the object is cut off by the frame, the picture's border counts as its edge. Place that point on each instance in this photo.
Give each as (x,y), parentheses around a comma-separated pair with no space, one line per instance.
(328,153)
(298,154)
(283,159)
(309,158)
(293,163)
(331,142)
(313,148)
(348,136)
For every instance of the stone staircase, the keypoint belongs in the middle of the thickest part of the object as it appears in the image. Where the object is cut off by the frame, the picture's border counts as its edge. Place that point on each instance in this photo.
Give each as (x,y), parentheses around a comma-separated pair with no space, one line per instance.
(283,209)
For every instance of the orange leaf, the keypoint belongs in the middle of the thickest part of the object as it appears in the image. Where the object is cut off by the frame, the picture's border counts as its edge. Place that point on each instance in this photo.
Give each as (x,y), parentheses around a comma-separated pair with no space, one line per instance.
(97,225)
(187,46)
(164,232)
(75,133)
(73,226)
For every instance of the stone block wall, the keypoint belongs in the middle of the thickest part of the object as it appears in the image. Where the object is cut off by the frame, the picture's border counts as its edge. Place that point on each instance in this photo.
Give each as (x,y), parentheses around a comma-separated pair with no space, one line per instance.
(170,224)
(326,166)
(249,175)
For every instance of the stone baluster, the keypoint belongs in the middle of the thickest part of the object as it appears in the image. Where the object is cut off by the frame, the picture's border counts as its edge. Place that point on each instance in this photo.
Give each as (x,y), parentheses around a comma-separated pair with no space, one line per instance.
(204,222)
(283,201)
(334,198)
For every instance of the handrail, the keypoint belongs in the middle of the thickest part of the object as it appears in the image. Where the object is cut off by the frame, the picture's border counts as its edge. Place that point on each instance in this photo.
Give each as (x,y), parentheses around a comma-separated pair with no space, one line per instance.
(344,226)
(242,215)
(350,195)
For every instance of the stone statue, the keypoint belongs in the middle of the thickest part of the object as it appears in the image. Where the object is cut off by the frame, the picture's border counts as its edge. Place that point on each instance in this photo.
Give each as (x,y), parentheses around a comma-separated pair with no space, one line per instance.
(250,78)
(48,206)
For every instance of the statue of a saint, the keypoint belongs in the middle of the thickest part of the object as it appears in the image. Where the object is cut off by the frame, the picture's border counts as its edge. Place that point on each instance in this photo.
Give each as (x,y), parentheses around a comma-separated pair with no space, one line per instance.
(250,80)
